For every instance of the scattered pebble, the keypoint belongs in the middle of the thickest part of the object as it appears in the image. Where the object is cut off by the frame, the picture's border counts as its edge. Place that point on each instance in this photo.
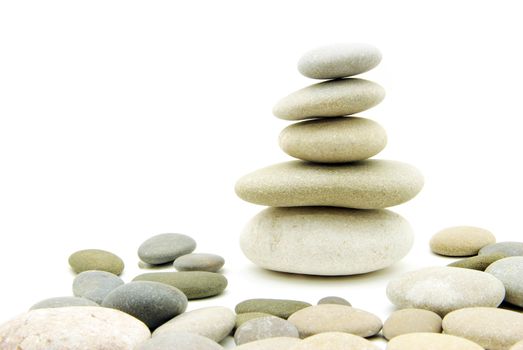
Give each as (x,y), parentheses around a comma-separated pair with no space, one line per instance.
(179,341)
(411,321)
(277,307)
(431,341)
(242,318)
(335,341)
(507,248)
(96,259)
(63,302)
(199,262)
(263,328)
(510,272)
(334,300)
(479,262)
(278,343)
(461,241)
(165,248)
(95,285)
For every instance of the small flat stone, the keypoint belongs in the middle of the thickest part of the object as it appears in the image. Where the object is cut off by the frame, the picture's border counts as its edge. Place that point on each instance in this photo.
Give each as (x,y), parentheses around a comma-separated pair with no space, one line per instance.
(63,302)
(96,259)
(179,341)
(215,323)
(461,241)
(278,343)
(335,98)
(199,262)
(445,289)
(95,285)
(507,248)
(335,318)
(335,341)
(151,302)
(242,318)
(298,184)
(263,328)
(277,307)
(333,140)
(431,341)
(479,262)
(492,328)
(334,300)
(411,321)
(73,328)
(194,284)
(339,61)
(517,346)
(510,272)
(165,248)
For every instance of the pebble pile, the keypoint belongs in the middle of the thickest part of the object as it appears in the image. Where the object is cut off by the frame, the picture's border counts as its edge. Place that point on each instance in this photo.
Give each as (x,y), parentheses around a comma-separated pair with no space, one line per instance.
(327,213)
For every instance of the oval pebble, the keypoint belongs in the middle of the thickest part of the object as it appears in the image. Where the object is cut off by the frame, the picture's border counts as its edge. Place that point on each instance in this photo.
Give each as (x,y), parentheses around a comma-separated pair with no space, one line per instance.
(298,184)
(335,341)
(165,248)
(333,140)
(411,321)
(510,271)
(199,262)
(263,328)
(507,248)
(282,308)
(242,318)
(335,318)
(333,98)
(179,341)
(461,241)
(431,341)
(194,284)
(73,328)
(492,328)
(96,259)
(334,300)
(63,302)
(276,343)
(151,302)
(339,60)
(479,262)
(95,285)
(215,323)
(445,289)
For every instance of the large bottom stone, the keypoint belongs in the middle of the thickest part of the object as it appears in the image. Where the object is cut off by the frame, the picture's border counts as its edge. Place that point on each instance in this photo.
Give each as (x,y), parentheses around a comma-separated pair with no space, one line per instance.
(326,240)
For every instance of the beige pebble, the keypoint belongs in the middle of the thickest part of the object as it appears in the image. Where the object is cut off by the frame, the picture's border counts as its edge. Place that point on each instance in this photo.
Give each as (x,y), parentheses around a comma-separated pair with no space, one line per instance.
(411,321)
(431,341)
(335,341)
(461,241)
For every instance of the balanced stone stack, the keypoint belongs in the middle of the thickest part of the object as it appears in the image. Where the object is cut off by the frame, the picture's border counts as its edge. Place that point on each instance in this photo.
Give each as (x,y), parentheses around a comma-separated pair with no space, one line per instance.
(326,214)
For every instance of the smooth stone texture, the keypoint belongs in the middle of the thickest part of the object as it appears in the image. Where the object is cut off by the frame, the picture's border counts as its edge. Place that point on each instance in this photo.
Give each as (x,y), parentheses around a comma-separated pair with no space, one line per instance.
(461,241)
(492,328)
(277,307)
(278,343)
(411,321)
(335,341)
(194,284)
(431,341)
(179,341)
(510,272)
(263,328)
(334,300)
(96,259)
(333,140)
(445,289)
(325,240)
(151,302)
(215,323)
(339,60)
(333,98)
(63,302)
(369,184)
(95,285)
(165,248)
(199,262)
(73,328)
(480,262)
(242,318)
(507,248)
(335,318)
(517,346)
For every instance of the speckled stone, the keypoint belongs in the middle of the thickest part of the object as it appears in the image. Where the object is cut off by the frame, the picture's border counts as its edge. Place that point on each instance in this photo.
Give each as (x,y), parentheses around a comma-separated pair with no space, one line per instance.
(431,341)
(179,341)
(73,328)
(507,248)
(334,300)
(199,262)
(96,259)
(333,140)
(335,318)
(151,302)
(194,284)
(335,341)
(214,323)
(461,241)
(297,184)
(479,262)
(95,285)
(510,272)
(277,307)
(278,343)
(445,289)
(517,346)
(263,328)
(411,321)
(326,241)
(492,328)
(63,302)
(165,248)
(242,318)
(339,60)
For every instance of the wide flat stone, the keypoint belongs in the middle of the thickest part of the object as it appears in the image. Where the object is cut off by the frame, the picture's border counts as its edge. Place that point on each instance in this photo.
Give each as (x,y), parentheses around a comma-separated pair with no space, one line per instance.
(282,308)
(479,262)
(507,248)
(431,341)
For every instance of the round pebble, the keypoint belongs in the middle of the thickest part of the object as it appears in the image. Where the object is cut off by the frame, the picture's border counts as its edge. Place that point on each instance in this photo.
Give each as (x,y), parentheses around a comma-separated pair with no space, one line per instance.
(510,272)
(507,248)
(335,318)
(431,341)
(339,61)
(277,307)
(334,300)
(445,289)
(333,140)
(151,302)
(194,284)
(242,318)
(278,343)
(411,321)
(263,328)
(96,259)
(95,285)
(479,262)
(73,328)
(335,341)
(199,262)
(179,341)
(335,98)
(63,302)
(461,241)
(165,248)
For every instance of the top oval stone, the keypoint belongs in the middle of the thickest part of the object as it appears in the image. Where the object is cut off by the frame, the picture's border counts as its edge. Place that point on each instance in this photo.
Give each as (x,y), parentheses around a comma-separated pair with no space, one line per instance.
(461,241)
(165,248)
(334,98)
(339,60)
(96,259)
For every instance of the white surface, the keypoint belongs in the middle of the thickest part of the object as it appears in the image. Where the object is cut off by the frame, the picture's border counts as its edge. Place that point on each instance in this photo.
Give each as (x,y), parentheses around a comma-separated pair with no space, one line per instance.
(123,119)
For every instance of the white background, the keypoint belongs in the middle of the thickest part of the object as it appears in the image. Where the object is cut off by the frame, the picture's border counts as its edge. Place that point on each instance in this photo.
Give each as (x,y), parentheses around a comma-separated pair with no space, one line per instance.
(124,119)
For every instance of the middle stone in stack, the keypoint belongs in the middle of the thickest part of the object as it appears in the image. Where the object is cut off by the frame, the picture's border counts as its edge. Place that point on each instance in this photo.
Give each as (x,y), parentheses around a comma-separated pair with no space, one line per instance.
(327,215)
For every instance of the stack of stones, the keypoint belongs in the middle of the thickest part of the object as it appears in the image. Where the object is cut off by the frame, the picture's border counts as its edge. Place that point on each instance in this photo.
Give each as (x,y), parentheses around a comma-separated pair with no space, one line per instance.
(326,214)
